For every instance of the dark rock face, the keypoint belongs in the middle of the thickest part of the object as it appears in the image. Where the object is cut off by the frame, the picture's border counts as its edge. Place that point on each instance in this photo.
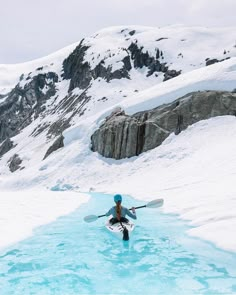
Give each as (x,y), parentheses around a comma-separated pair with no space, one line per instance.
(80,73)
(169,74)
(23,105)
(56,145)
(14,163)
(72,105)
(78,70)
(211,61)
(2,96)
(124,136)
(143,59)
(6,146)
(131,33)
(123,129)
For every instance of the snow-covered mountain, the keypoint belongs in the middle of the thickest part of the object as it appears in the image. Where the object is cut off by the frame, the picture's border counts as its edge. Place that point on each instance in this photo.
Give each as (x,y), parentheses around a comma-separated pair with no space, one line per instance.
(50,108)
(116,67)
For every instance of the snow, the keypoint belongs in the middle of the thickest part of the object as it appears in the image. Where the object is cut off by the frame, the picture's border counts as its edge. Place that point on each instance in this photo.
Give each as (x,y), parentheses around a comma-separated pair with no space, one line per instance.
(22,211)
(194,172)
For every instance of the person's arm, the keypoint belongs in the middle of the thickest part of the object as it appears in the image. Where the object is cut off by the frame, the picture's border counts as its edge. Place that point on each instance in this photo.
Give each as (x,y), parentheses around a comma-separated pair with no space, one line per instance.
(131,214)
(110,212)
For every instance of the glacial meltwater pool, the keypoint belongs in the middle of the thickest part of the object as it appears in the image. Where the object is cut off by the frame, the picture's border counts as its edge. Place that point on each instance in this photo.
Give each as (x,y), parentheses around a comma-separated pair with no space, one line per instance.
(70,256)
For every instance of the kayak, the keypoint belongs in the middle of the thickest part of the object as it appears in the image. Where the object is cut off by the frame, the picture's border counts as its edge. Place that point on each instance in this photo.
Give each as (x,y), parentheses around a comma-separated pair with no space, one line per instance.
(122,230)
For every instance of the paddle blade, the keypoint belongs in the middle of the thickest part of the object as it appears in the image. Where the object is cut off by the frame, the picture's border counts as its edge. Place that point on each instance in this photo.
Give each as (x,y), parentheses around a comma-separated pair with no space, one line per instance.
(155,203)
(90,218)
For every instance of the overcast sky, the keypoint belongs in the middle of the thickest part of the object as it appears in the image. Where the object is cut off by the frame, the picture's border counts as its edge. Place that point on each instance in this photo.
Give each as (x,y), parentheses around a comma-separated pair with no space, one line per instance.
(31,29)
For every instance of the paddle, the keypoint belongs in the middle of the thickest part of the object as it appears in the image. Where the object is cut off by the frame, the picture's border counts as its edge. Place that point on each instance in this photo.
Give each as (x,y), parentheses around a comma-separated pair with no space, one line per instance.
(153,204)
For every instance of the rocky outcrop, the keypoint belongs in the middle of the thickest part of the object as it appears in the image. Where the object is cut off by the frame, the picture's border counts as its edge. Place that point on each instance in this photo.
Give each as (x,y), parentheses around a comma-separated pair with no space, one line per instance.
(211,61)
(76,69)
(169,74)
(122,136)
(24,104)
(110,139)
(14,163)
(143,58)
(56,145)
(80,73)
(6,146)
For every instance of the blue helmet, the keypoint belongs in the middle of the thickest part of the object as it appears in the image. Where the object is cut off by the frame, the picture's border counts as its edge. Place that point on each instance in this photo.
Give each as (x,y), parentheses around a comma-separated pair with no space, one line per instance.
(117,198)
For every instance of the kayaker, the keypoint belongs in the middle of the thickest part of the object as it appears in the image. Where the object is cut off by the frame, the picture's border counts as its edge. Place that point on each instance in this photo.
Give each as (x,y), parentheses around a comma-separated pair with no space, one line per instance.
(119,212)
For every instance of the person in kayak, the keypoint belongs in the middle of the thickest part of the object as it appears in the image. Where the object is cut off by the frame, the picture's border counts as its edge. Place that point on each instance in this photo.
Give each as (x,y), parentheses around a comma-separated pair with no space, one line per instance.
(119,212)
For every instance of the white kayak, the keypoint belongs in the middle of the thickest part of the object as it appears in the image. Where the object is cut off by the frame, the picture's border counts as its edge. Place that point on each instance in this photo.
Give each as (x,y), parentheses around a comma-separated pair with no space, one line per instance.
(122,230)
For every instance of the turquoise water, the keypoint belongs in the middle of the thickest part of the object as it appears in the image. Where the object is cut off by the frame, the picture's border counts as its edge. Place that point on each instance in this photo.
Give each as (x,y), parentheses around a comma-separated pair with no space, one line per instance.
(70,256)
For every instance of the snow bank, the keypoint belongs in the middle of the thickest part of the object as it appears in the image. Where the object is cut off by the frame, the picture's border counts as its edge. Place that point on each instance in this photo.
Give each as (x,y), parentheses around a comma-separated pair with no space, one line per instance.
(22,211)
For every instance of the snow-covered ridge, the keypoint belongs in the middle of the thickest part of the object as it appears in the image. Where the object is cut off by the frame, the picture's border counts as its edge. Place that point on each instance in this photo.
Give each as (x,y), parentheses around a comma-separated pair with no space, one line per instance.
(10,73)
(183,49)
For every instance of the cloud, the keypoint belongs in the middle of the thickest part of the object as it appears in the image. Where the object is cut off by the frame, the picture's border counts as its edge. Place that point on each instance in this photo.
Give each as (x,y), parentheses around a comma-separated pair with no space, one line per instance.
(31,29)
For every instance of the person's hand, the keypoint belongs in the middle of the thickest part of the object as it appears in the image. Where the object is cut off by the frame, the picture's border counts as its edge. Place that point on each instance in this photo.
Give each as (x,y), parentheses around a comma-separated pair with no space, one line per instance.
(133,210)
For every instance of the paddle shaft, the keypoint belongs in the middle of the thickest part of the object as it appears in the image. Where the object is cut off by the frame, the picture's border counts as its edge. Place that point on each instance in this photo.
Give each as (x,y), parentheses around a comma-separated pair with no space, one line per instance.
(152,204)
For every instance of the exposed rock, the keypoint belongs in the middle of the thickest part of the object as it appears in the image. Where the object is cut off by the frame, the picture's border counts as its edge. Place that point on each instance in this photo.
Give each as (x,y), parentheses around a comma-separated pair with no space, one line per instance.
(2,96)
(144,59)
(81,74)
(127,63)
(131,33)
(169,74)
(118,132)
(56,145)
(163,38)
(141,58)
(58,127)
(39,129)
(68,107)
(122,136)
(211,61)
(214,60)
(78,70)
(23,105)
(6,146)
(14,163)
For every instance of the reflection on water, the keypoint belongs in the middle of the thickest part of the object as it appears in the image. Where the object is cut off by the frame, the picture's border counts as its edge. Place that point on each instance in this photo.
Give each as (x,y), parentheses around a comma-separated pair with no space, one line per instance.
(73,257)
